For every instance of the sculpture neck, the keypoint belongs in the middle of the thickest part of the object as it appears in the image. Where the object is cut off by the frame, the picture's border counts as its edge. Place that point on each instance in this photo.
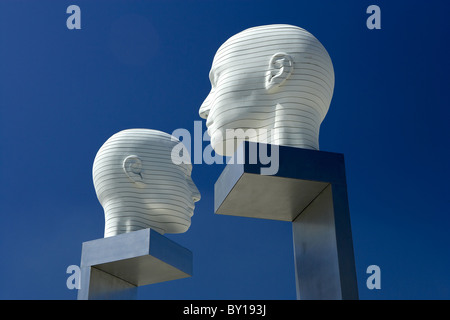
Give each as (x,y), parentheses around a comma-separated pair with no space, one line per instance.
(123,218)
(296,125)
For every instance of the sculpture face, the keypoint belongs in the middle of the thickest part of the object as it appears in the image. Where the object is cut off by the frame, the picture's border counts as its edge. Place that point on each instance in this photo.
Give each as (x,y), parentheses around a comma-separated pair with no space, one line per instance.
(140,187)
(233,93)
(277,78)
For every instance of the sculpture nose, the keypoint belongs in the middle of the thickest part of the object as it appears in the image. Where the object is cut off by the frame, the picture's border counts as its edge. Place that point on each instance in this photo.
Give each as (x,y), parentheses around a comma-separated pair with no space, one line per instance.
(204,108)
(195,193)
(196,196)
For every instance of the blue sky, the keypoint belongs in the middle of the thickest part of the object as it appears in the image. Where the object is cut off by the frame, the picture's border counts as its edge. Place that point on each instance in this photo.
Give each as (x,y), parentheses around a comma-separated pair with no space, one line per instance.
(145,64)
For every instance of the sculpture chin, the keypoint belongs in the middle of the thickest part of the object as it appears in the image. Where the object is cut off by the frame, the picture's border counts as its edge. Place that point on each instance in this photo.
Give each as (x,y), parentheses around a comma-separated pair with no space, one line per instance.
(180,229)
(219,147)
(224,147)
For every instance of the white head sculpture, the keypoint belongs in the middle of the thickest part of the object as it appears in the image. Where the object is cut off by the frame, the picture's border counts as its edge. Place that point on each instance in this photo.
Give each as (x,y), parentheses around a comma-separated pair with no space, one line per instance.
(140,187)
(277,79)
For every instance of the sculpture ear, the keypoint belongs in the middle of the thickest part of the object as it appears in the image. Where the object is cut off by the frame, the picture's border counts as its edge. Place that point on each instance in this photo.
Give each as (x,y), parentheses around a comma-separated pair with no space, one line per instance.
(132,166)
(281,66)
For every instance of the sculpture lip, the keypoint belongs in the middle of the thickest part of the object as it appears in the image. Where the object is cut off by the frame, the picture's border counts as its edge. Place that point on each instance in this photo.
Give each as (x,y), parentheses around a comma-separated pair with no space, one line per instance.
(209,124)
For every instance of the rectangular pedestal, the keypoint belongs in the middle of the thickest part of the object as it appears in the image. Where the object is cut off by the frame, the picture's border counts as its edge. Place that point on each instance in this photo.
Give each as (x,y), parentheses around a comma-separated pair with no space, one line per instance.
(302,174)
(115,265)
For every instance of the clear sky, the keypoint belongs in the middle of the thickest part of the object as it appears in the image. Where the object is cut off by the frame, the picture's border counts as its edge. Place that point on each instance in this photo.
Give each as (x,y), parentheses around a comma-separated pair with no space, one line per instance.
(145,64)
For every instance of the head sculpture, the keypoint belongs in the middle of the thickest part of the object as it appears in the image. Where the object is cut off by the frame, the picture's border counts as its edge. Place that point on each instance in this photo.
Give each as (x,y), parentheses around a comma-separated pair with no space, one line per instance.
(276,80)
(140,187)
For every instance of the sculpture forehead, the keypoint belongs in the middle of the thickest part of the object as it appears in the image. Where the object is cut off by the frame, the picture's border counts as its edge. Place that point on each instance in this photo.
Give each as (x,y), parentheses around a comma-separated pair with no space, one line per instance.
(142,136)
(152,146)
(142,140)
(261,42)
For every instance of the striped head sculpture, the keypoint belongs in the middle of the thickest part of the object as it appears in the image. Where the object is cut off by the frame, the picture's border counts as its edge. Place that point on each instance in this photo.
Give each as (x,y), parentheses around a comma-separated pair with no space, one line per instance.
(276,80)
(140,187)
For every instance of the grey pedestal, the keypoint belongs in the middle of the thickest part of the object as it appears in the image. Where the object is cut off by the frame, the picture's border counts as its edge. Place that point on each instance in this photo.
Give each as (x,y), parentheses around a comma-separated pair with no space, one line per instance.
(309,190)
(113,267)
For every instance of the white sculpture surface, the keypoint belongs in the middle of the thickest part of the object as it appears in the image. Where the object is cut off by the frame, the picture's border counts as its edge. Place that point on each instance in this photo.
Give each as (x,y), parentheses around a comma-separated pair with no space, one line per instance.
(140,187)
(276,80)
